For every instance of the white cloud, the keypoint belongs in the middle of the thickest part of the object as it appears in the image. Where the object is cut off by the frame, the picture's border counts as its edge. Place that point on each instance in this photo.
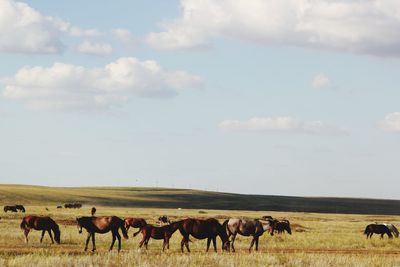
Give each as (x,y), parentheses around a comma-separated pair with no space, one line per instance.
(280,124)
(78,32)
(65,86)
(391,122)
(321,81)
(25,30)
(367,27)
(98,49)
(123,35)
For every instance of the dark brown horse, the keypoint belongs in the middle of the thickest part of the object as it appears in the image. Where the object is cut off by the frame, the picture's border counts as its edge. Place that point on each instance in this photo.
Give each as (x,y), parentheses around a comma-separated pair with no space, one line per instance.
(42,224)
(10,208)
(102,225)
(164,232)
(201,229)
(377,228)
(20,208)
(253,228)
(282,226)
(135,223)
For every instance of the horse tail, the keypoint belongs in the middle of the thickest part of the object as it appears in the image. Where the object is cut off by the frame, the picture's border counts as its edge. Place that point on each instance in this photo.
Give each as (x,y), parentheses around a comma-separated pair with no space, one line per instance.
(225,225)
(57,233)
(23,224)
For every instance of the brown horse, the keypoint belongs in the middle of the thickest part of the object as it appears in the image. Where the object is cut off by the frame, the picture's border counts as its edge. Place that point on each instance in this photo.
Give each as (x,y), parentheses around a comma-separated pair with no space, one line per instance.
(102,225)
(201,229)
(10,208)
(164,232)
(376,228)
(253,228)
(282,226)
(42,224)
(135,223)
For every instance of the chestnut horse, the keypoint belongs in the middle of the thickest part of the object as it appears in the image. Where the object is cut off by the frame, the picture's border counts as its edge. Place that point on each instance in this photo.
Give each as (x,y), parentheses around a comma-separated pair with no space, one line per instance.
(163,232)
(253,228)
(42,224)
(201,229)
(102,225)
(135,223)
(377,228)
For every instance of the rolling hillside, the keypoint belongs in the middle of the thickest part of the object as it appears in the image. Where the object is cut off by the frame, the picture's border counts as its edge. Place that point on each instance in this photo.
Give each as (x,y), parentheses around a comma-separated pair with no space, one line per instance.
(196,199)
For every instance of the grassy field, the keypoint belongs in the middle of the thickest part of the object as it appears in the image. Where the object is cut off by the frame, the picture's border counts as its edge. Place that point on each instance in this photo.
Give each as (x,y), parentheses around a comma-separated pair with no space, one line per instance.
(317,239)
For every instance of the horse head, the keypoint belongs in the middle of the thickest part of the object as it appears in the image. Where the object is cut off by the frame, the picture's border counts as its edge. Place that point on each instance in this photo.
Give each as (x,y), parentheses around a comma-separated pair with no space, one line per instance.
(79,222)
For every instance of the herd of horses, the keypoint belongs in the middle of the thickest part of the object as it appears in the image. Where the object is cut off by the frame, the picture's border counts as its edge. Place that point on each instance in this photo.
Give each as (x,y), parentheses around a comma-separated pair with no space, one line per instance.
(209,229)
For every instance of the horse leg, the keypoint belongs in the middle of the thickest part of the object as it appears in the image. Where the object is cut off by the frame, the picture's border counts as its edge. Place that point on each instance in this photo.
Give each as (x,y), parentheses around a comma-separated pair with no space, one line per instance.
(136,233)
(251,244)
(87,240)
(26,232)
(233,241)
(257,243)
(51,236)
(208,243)
(182,244)
(93,243)
(142,241)
(113,241)
(214,240)
(187,243)
(119,241)
(41,238)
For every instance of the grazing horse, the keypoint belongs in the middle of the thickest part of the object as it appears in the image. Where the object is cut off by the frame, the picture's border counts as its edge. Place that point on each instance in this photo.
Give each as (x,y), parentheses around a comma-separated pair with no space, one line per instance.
(163,232)
(164,220)
(102,225)
(201,229)
(135,223)
(42,224)
(20,207)
(392,229)
(376,228)
(282,226)
(253,228)
(10,208)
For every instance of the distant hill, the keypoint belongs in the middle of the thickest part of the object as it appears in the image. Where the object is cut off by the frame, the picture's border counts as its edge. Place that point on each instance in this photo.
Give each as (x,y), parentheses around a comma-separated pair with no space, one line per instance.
(196,199)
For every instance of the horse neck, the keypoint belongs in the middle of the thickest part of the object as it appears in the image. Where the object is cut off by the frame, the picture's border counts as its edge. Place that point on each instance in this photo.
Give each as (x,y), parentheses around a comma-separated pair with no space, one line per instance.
(175,226)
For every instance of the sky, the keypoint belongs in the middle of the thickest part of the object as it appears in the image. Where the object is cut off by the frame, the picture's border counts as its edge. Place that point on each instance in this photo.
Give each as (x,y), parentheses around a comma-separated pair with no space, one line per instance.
(277,97)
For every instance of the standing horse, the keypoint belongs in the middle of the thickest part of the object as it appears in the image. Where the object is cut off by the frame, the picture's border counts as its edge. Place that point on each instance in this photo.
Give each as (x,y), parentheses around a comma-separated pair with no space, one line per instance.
(201,229)
(42,224)
(102,225)
(164,232)
(135,223)
(282,226)
(376,228)
(253,228)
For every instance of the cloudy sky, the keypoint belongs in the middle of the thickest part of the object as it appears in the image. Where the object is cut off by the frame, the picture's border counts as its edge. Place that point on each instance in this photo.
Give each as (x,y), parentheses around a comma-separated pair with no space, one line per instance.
(283,97)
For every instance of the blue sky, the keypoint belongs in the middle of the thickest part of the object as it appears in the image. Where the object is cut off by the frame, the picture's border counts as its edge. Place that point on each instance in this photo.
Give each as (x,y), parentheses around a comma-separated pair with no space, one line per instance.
(262,97)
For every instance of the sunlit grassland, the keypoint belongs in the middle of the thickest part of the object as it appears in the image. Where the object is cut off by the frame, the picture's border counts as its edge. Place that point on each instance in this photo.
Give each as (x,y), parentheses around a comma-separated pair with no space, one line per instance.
(317,240)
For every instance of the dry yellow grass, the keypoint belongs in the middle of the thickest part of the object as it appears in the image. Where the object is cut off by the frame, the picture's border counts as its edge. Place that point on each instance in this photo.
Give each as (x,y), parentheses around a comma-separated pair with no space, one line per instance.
(317,240)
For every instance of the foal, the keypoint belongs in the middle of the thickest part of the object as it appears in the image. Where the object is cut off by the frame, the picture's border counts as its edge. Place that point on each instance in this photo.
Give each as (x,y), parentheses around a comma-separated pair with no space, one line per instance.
(164,232)
(102,225)
(42,224)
